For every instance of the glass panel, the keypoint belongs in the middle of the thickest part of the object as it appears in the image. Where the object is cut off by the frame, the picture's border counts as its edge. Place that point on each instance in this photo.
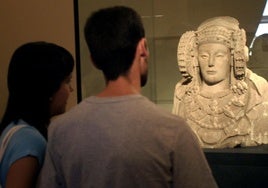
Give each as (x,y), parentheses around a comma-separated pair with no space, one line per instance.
(165,21)
(92,80)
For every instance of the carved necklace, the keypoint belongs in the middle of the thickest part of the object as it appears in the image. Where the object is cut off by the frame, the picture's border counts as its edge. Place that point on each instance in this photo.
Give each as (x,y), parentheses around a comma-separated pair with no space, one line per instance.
(215,111)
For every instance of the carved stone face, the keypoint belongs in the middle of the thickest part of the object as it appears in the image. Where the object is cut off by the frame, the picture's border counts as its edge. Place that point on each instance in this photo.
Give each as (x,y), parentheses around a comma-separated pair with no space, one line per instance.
(214,62)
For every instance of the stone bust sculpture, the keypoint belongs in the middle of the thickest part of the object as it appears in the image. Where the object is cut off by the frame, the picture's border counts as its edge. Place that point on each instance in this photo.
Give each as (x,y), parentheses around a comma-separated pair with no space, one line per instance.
(225,103)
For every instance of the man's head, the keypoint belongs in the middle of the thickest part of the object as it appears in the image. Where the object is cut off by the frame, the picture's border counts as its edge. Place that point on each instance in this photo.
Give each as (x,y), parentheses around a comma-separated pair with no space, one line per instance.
(222,30)
(112,35)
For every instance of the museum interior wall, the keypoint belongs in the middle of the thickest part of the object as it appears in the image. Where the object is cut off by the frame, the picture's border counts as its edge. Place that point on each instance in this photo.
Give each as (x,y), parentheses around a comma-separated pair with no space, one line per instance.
(30,20)
(165,22)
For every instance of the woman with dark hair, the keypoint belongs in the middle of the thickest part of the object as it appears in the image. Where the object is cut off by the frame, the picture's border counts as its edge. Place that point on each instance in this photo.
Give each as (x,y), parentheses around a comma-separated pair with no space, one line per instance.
(39,77)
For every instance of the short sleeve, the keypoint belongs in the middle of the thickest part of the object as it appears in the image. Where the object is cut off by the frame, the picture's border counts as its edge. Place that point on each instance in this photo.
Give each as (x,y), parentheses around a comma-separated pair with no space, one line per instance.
(27,141)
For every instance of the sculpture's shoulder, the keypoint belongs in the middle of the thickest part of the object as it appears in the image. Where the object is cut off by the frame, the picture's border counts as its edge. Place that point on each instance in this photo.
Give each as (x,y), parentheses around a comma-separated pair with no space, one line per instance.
(259,83)
(183,93)
(184,87)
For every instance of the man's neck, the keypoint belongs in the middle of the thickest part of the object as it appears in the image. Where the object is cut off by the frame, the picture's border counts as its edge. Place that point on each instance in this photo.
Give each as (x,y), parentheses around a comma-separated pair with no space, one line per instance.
(119,87)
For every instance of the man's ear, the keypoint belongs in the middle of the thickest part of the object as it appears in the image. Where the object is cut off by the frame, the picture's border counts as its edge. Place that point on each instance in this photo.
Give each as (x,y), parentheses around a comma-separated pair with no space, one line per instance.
(143,48)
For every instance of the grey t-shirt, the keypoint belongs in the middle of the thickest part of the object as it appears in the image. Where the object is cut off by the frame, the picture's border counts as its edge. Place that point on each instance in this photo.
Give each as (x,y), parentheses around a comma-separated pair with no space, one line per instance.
(123,142)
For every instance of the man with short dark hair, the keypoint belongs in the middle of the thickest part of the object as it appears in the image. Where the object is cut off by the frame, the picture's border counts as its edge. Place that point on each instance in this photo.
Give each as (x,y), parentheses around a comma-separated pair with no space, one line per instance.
(119,138)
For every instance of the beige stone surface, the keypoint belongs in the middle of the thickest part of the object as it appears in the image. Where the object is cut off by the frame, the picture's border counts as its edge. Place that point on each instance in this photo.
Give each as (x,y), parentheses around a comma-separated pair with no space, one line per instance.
(223,101)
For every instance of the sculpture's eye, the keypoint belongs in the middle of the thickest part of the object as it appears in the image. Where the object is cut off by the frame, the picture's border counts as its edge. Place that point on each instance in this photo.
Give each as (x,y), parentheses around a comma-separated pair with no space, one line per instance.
(219,55)
(203,56)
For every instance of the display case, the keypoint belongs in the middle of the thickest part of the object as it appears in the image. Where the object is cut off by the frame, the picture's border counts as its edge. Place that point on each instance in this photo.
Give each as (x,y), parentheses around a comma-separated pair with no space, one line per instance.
(165,22)
(239,167)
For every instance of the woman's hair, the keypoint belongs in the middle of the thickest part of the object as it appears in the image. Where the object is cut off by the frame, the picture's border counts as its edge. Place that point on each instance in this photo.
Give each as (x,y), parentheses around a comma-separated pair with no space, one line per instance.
(35,73)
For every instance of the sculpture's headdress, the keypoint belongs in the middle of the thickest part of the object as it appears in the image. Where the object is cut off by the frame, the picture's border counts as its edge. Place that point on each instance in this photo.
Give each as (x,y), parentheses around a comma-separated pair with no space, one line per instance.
(223,30)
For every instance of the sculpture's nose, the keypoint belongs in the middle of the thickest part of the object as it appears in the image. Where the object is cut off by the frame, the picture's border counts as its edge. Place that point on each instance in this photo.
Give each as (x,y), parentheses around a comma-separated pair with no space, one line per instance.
(211,61)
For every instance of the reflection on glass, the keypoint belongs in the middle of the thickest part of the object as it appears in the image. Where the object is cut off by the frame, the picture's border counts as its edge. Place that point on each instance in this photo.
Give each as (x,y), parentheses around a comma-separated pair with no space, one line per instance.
(262,27)
(164,23)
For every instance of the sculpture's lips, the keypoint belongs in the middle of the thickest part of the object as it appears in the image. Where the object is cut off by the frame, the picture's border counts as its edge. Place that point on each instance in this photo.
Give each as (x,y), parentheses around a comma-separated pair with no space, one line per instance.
(211,72)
